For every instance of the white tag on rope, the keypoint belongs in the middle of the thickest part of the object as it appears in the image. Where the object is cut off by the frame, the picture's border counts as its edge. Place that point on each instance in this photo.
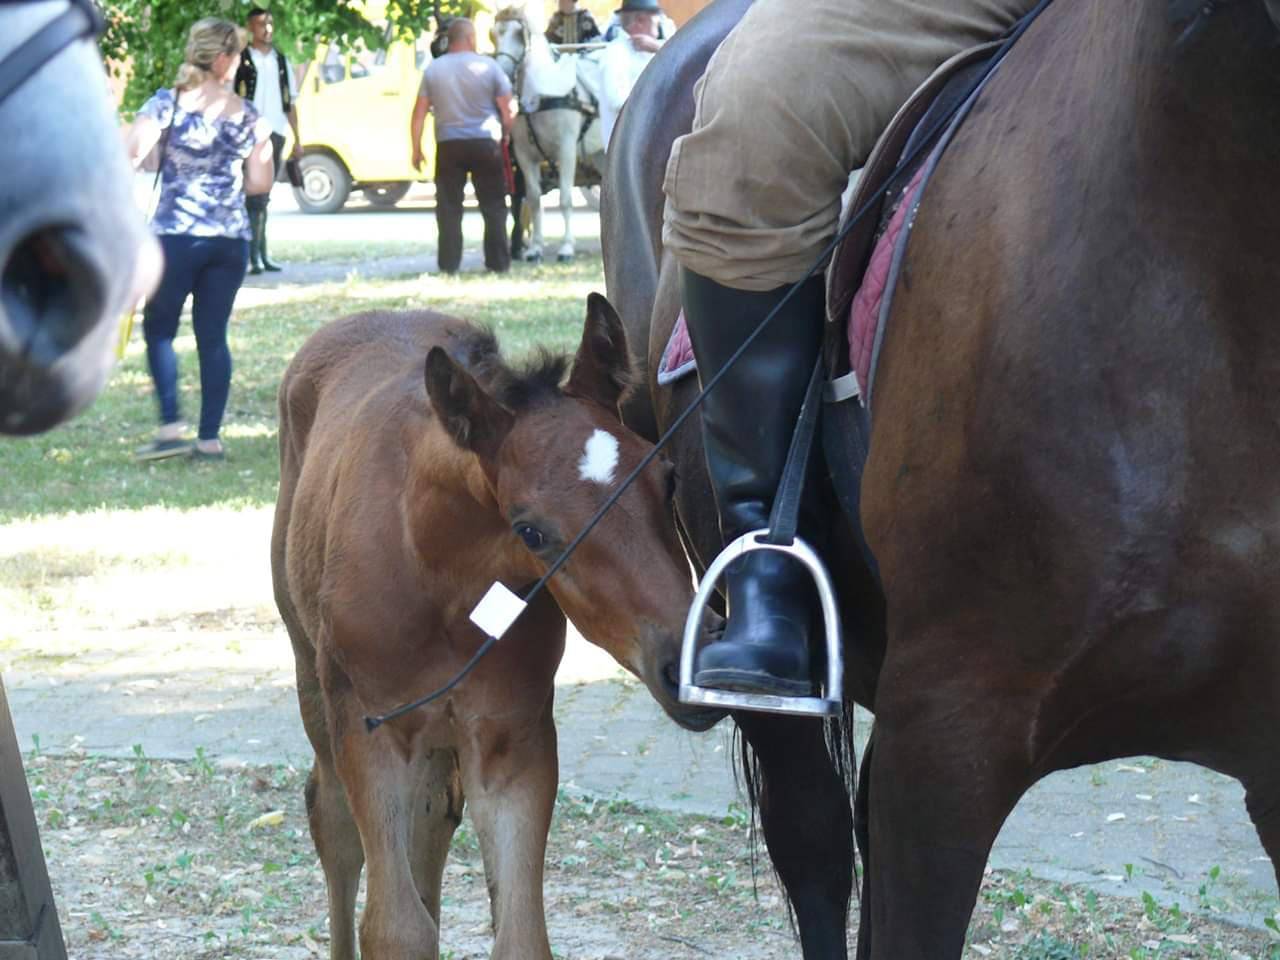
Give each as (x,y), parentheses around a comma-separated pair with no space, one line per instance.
(497,610)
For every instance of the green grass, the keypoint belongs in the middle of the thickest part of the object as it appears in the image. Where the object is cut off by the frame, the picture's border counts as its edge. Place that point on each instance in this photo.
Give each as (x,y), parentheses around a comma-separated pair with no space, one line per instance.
(323,251)
(87,464)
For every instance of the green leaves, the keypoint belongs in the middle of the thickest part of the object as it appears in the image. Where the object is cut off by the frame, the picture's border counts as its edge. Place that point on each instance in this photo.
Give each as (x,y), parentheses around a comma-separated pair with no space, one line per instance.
(145,39)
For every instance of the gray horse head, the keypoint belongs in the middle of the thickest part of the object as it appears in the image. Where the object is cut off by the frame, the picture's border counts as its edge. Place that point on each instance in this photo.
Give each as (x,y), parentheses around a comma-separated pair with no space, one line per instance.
(75,251)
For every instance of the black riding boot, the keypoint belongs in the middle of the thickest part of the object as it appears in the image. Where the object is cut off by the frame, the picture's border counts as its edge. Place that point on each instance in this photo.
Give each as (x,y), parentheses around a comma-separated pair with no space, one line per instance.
(255,232)
(267,264)
(747,424)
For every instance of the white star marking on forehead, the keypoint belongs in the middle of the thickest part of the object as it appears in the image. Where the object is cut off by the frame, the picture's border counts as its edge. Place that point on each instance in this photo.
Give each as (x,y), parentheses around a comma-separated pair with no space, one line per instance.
(599,457)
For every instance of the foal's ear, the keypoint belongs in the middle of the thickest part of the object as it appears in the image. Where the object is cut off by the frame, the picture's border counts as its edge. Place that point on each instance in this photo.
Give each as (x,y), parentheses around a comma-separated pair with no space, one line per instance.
(602,368)
(475,420)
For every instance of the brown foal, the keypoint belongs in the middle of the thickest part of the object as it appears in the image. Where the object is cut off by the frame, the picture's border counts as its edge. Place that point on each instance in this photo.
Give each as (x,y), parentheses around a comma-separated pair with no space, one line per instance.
(417,468)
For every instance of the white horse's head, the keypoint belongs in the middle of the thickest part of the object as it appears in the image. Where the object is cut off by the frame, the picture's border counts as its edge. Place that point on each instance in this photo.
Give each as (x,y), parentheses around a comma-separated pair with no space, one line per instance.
(74,247)
(526,56)
(510,34)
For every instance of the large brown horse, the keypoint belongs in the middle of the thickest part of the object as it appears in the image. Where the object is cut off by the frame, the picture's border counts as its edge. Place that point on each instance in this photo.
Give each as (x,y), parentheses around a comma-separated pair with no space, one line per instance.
(1075,454)
(417,468)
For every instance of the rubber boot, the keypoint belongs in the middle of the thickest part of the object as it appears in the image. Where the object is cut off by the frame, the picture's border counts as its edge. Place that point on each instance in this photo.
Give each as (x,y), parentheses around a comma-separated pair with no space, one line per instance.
(747,424)
(267,263)
(255,232)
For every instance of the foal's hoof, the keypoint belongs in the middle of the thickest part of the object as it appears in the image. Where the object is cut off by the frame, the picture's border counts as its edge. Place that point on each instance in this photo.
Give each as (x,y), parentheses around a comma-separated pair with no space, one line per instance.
(564,258)
(533,256)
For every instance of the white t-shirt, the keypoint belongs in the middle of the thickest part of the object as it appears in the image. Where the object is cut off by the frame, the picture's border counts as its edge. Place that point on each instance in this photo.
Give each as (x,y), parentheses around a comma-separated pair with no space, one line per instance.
(266,94)
(620,67)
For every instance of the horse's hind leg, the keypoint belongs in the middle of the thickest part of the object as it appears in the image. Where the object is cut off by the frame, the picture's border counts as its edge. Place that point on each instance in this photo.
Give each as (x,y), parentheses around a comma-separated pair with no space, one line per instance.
(808,827)
(438,805)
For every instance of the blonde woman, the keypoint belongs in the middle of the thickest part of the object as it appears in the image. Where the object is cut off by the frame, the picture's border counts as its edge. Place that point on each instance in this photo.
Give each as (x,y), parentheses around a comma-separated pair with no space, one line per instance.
(214,149)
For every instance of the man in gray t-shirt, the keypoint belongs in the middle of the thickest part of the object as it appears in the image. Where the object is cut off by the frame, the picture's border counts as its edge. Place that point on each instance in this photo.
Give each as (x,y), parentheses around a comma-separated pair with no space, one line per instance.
(470,98)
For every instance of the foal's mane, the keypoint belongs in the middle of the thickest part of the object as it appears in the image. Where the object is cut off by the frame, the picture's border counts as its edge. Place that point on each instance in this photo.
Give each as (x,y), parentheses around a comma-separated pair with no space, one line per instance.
(531,382)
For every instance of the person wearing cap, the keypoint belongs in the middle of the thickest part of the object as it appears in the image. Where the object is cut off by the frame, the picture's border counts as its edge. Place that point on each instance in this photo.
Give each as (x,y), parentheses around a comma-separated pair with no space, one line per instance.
(625,58)
(790,103)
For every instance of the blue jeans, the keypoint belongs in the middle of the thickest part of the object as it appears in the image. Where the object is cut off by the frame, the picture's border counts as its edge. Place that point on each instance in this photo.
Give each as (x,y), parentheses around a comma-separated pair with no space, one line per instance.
(209,270)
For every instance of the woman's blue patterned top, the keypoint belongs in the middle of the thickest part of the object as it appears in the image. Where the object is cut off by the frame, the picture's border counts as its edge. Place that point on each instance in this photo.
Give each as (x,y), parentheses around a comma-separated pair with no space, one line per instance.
(202,170)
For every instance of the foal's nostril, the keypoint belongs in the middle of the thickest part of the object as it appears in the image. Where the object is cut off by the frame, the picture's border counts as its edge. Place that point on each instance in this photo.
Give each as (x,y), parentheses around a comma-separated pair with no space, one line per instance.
(51,295)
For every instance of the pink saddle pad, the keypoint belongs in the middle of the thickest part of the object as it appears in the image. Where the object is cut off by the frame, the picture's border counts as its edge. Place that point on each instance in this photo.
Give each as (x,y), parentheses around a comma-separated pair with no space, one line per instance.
(867,310)
(864,314)
(677,358)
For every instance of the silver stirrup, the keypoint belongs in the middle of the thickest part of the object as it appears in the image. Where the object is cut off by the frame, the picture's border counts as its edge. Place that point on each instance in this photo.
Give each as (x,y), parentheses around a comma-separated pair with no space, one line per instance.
(827,705)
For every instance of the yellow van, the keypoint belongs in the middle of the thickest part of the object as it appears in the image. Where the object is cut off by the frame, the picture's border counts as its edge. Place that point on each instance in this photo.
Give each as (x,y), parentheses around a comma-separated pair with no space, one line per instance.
(353,118)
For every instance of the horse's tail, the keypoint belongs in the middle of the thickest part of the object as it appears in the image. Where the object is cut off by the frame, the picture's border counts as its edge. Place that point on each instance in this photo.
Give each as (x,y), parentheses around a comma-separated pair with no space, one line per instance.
(749,776)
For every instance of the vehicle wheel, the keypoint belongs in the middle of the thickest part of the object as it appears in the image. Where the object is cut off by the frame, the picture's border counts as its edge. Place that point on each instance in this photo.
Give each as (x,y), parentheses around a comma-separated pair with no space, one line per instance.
(325,184)
(386,194)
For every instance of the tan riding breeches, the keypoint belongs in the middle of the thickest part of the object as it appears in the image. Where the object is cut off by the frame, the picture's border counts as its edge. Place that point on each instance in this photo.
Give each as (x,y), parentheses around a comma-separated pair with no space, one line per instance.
(790,104)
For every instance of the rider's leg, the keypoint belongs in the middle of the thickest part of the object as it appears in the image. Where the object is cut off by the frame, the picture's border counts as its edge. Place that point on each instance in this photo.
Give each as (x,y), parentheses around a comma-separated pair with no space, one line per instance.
(747,422)
(753,198)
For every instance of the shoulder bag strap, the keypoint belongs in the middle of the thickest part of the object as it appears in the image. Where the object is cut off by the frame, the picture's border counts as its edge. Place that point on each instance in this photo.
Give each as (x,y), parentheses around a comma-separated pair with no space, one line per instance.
(164,142)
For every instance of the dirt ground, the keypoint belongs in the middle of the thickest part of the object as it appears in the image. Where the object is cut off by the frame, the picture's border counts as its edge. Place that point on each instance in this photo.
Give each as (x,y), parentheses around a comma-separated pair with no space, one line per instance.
(193,860)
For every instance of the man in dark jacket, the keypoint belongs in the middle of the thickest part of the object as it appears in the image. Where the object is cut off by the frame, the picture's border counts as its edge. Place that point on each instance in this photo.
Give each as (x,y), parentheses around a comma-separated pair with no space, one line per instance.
(570,24)
(265,78)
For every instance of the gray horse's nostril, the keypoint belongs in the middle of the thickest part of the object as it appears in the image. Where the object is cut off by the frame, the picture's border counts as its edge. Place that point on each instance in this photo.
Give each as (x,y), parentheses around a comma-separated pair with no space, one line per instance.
(50,295)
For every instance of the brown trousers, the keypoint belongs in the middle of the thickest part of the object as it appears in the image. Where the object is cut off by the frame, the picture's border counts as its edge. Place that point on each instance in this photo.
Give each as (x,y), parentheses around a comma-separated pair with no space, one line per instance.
(483,160)
(791,103)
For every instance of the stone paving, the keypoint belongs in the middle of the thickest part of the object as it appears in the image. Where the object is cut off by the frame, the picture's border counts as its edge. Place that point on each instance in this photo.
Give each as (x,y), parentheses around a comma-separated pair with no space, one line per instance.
(171,692)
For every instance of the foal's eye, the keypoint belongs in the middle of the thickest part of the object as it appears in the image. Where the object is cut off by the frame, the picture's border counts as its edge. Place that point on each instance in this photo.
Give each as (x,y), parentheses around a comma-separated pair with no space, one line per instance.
(531,535)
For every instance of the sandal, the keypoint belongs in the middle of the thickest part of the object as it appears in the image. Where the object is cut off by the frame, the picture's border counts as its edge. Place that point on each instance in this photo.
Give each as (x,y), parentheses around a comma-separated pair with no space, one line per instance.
(163,450)
(208,455)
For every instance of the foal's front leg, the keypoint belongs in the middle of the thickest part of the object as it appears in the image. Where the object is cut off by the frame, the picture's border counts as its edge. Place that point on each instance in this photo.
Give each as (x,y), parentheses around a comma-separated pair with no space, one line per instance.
(509,773)
(438,803)
(380,781)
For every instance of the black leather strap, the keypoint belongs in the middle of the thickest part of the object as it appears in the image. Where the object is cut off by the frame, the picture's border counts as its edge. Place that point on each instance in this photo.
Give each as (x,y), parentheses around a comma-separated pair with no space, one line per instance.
(785,515)
(81,20)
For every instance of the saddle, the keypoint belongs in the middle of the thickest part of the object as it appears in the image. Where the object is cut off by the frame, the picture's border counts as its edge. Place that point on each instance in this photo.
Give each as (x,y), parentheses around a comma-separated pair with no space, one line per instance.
(864,268)
(861,267)
(849,265)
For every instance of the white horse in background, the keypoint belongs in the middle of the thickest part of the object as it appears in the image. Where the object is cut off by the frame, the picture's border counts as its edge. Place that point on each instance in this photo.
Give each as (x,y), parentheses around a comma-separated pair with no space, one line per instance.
(554,125)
